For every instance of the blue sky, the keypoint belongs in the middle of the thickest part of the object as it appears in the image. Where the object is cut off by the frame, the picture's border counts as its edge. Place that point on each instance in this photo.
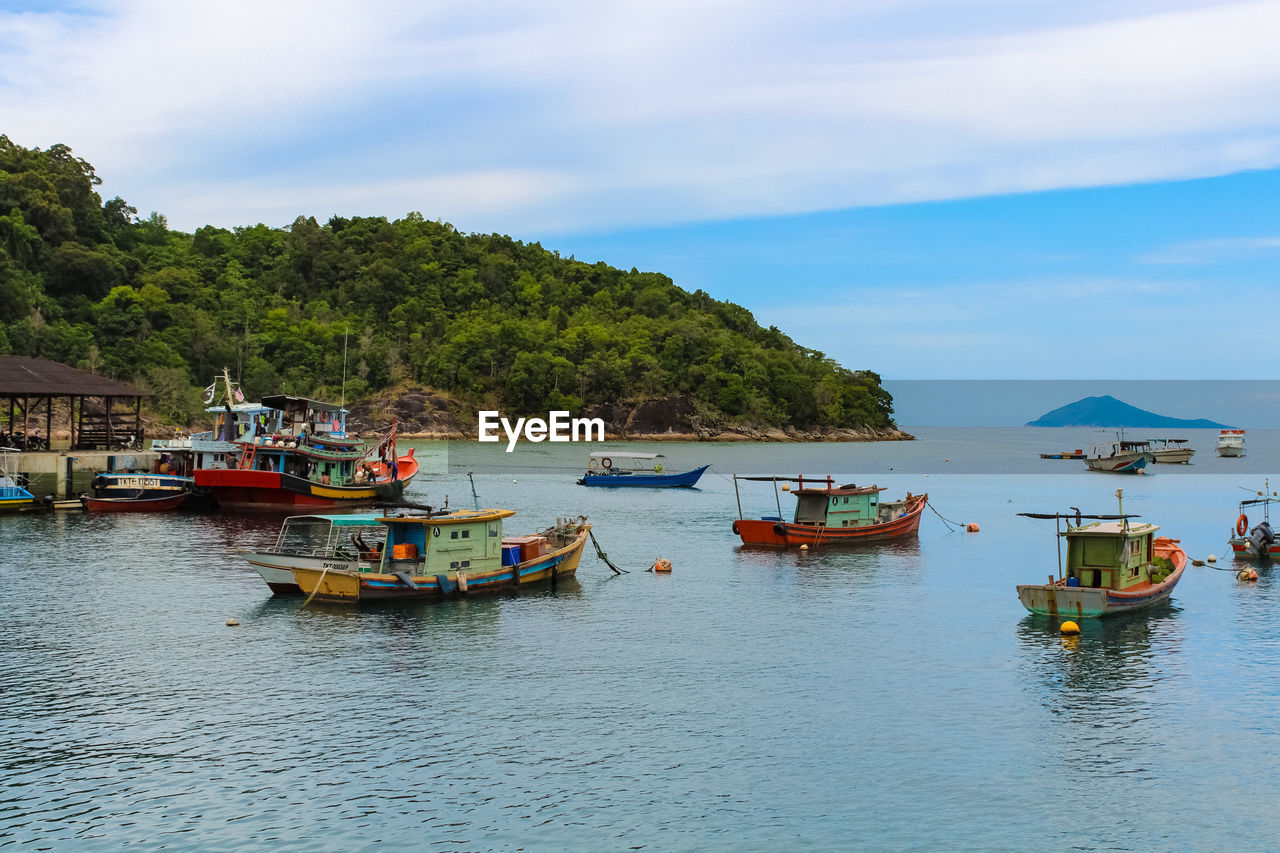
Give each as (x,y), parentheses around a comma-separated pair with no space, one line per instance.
(926,188)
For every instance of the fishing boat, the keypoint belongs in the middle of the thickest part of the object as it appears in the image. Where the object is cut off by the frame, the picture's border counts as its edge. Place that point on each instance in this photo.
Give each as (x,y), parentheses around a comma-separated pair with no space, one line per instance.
(1078,453)
(437,555)
(827,514)
(1174,450)
(13,497)
(1230,443)
(167,486)
(1120,457)
(1112,566)
(120,503)
(1259,541)
(295,452)
(352,542)
(617,468)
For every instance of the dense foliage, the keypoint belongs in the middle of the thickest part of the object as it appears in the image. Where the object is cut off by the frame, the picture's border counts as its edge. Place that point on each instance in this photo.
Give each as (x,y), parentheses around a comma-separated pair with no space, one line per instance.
(490,319)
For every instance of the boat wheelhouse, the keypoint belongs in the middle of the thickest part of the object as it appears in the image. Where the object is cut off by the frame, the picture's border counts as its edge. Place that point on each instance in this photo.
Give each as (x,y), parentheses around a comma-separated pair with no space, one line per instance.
(621,468)
(439,555)
(1112,566)
(348,542)
(1230,443)
(827,514)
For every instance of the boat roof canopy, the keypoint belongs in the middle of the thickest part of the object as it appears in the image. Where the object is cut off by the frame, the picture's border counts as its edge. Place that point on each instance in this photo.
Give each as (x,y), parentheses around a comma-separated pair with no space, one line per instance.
(621,454)
(351,519)
(461,516)
(285,401)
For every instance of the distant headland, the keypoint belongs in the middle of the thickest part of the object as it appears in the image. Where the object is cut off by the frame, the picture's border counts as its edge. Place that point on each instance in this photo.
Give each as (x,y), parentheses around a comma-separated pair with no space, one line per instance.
(1107,411)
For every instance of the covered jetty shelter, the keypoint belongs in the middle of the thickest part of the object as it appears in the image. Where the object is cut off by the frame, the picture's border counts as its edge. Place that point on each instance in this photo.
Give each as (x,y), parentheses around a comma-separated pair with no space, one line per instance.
(104,414)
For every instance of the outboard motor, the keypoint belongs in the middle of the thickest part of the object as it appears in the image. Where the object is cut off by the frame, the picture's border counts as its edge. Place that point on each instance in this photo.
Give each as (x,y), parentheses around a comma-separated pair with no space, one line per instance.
(1262,536)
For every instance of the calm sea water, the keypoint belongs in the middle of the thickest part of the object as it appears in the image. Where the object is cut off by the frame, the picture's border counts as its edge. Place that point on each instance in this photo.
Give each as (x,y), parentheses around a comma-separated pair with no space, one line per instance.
(892,697)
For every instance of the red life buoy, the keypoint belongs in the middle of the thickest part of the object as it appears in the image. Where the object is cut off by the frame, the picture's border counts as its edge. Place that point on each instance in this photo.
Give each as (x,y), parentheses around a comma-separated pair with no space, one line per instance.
(1242,524)
(607,463)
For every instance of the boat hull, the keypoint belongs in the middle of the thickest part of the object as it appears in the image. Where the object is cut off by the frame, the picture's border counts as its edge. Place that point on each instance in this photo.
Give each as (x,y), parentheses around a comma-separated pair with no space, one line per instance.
(683,480)
(1174,456)
(785,534)
(1121,463)
(1074,602)
(1243,548)
(277,569)
(353,587)
(145,486)
(1231,451)
(169,503)
(246,489)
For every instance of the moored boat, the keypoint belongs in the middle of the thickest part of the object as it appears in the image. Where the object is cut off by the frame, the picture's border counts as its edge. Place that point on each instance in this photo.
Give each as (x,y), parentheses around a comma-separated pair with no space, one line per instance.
(827,514)
(1171,450)
(1230,443)
(439,555)
(1256,542)
(618,468)
(13,497)
(350,542)
(295,452)
(1112,566)
(1120,457)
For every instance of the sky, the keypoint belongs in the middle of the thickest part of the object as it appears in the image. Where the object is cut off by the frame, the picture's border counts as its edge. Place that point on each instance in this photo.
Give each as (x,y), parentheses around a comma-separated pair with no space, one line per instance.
(930,189)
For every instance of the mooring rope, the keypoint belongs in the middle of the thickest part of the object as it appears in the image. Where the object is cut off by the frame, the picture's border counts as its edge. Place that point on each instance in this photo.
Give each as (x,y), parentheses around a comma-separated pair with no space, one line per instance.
(602,555)
(945,521)
(317,587)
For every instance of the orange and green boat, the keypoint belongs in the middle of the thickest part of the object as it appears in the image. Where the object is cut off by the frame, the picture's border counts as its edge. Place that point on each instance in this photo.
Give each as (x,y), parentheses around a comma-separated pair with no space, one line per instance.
(827,514)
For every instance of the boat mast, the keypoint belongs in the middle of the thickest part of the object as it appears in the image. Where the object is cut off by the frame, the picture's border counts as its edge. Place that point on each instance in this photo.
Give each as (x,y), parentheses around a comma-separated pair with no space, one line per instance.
(1120,500)
(737,497)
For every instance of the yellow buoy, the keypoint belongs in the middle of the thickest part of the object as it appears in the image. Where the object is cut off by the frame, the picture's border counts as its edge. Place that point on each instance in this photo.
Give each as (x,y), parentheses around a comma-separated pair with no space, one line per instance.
(972,527)
(232,622)
(1070,627)
(662,564)
(804,547)
(1211,558)
(786,487)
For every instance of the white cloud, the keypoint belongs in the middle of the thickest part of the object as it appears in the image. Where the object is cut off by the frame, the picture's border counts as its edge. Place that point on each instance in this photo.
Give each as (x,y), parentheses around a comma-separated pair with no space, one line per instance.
(1210,251)
(628,114)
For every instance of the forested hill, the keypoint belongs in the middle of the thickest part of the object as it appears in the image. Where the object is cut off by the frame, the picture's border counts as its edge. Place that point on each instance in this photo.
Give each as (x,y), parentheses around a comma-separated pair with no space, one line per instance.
(492,320)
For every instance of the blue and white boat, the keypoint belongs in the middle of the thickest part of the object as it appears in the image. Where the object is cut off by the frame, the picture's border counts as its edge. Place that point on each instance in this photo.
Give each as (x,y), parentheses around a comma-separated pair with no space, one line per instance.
(13,497)
(619,468)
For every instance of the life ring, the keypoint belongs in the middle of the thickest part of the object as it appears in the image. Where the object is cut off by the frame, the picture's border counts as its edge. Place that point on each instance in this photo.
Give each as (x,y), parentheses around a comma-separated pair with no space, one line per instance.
(1242,524)
(606,463)
(594,464)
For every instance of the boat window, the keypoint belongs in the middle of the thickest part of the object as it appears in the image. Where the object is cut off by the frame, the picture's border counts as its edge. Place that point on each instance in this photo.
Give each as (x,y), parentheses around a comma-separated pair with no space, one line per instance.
(835,501)
(453,534)
(466,534)
(493,531)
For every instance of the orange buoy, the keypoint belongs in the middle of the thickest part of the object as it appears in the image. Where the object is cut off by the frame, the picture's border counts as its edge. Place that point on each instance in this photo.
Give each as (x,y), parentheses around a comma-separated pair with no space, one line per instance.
(971,527)
(662,564)
(1247,575)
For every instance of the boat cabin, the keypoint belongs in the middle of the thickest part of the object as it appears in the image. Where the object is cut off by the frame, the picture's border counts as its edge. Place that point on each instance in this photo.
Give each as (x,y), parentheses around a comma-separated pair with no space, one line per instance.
(623,462)
(463,540)
(301,417)
(846,506)
(1111,555)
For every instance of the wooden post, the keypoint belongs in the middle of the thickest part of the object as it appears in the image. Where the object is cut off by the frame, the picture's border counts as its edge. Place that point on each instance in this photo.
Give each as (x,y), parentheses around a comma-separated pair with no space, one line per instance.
(137,421)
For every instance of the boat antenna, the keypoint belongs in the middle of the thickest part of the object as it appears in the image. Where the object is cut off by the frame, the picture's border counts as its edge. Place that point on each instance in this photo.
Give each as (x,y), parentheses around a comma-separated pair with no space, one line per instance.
(474,498)
(345,331)
(1120,501)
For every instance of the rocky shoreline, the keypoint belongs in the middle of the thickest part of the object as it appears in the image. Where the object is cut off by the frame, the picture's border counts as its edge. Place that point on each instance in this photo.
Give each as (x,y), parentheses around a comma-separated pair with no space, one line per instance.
(424,413)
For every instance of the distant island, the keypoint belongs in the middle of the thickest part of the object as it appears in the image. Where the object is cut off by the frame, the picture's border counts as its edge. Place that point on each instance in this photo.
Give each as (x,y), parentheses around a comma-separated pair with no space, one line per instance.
(1107,411)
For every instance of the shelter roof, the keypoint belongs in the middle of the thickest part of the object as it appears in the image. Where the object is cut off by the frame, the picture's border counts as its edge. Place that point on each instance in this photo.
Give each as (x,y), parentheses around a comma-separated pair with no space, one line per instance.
(21,376)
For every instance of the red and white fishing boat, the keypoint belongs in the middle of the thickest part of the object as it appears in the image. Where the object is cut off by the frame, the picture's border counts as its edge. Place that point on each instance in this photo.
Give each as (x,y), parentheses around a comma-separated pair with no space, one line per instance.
(827,514)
